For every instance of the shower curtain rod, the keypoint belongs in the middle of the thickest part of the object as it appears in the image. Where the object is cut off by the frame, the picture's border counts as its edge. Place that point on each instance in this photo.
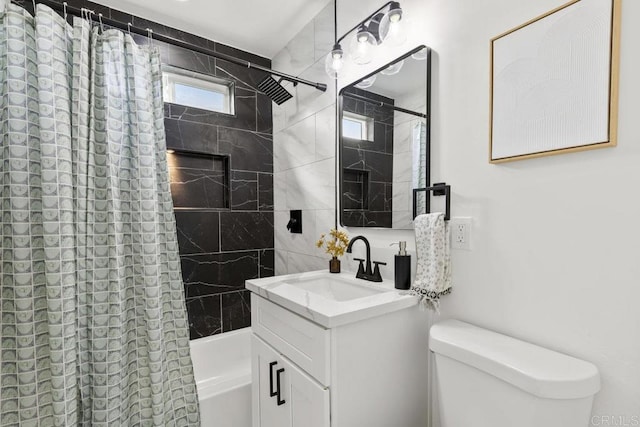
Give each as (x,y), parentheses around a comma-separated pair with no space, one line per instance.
(383,104)
(62,7)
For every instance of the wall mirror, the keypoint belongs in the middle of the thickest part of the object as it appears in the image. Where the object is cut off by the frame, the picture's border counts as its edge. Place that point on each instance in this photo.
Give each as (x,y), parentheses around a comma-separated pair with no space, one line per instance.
(384,143)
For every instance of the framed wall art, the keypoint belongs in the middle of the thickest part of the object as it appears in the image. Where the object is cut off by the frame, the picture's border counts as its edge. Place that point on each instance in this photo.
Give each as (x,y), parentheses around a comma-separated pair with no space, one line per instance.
(554,82)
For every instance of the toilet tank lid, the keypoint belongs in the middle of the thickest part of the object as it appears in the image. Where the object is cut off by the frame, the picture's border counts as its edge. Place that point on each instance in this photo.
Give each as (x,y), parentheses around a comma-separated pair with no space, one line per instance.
(542,372)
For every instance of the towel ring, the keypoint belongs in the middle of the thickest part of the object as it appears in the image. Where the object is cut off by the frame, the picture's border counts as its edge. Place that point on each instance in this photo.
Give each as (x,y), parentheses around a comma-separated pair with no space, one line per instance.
(440,189)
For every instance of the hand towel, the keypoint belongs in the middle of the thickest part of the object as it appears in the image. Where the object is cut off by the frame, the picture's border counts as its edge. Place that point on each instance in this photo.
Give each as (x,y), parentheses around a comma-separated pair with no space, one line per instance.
(433,273)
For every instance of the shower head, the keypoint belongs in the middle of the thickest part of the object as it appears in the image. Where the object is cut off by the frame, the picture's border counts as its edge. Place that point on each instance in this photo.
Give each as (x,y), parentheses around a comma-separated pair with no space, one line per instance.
(274,90)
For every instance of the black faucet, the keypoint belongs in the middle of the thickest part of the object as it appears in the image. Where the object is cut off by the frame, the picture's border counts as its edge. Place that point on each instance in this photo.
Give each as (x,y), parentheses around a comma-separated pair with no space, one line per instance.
(365,273)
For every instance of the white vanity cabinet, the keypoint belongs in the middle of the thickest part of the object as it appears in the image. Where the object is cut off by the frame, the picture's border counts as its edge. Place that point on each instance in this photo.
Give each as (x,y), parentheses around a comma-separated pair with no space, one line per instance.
(285,396)
(360,370)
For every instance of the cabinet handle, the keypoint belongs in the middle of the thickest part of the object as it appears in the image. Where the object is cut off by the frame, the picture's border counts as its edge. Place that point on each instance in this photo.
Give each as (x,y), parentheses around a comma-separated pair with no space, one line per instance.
(278,372)
(271,392)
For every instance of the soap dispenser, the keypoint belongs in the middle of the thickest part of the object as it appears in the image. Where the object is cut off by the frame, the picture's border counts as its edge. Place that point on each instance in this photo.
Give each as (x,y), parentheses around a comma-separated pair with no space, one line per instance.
(402,267)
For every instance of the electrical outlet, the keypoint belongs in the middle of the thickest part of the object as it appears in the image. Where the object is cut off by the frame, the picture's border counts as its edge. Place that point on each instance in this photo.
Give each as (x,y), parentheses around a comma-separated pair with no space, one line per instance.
(460,233)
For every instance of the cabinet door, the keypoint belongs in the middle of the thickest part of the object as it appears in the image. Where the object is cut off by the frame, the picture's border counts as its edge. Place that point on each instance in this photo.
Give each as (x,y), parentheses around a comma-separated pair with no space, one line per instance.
(283,395)
(267,374)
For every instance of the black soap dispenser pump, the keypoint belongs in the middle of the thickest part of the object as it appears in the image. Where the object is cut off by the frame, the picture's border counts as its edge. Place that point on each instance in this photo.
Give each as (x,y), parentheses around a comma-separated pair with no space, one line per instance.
(402,267)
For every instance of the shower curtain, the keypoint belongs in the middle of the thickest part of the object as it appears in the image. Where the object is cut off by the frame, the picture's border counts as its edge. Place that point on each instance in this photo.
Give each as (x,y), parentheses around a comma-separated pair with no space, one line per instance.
(93,324)
(419,162)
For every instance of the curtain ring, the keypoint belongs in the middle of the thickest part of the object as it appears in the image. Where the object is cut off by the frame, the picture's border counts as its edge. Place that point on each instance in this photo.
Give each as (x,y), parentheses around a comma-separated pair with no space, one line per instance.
(150,36)
(129,27)
(101,24)
(34,6)
(64,10)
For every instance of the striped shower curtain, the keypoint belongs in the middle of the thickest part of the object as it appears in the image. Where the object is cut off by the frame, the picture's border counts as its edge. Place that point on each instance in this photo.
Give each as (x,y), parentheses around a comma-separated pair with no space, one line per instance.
(93,323)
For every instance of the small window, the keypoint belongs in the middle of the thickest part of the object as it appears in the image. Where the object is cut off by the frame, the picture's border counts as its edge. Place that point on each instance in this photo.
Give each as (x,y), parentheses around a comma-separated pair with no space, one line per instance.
(197,90)
(355,126)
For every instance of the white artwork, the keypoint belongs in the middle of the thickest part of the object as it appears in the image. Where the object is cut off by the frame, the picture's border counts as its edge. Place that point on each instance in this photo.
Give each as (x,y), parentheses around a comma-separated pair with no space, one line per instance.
(552,83)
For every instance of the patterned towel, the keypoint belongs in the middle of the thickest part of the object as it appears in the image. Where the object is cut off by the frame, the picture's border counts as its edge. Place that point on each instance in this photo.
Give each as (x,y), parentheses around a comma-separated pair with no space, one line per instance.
(433,274)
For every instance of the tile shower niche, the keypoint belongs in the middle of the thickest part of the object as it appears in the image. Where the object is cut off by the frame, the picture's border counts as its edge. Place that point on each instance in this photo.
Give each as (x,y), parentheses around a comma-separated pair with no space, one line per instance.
(199,180)
(355,195)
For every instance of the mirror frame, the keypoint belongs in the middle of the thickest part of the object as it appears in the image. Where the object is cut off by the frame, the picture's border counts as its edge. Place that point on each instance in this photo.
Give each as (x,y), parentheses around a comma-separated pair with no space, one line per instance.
(339,212)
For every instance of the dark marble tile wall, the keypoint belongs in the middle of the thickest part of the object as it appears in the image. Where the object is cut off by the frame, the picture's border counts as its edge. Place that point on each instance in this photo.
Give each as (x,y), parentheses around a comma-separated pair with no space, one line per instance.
(368,165)
(224,198)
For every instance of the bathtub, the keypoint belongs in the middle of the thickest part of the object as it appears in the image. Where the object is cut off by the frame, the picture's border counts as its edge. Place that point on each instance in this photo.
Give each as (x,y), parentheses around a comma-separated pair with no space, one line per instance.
(222,367)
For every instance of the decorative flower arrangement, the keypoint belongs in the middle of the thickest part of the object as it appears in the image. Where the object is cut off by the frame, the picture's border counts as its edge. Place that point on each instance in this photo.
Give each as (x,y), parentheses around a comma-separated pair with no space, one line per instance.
(335,244)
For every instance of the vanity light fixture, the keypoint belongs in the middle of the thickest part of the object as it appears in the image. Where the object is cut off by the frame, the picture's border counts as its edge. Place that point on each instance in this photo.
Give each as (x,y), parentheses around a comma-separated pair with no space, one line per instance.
(383,25)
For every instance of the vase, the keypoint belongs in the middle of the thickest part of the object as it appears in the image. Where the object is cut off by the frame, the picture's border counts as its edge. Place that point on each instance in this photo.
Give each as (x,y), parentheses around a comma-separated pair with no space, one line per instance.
(334,265)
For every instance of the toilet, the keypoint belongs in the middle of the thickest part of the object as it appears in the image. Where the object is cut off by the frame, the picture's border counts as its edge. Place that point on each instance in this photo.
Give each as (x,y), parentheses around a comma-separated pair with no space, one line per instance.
(486,379)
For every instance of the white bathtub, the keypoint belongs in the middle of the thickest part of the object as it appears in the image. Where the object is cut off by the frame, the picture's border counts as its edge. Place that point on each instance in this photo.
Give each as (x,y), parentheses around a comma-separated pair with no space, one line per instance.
(222,367)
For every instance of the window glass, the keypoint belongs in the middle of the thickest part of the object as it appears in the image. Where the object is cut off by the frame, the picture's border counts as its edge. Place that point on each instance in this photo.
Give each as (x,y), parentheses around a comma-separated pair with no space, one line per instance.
(197,90)
(197,97)
(356,126)
(352,128)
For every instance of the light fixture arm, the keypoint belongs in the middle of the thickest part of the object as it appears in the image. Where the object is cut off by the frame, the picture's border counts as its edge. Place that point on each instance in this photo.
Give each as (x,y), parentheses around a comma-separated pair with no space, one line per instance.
(363,21)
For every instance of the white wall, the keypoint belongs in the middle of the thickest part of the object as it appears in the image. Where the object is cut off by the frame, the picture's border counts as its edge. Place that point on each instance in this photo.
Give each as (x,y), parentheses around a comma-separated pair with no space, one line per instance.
(556,241)
(304,149)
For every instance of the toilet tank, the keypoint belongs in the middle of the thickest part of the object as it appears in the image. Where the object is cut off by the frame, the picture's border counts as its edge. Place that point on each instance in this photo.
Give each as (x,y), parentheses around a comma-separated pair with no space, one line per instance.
(486,379)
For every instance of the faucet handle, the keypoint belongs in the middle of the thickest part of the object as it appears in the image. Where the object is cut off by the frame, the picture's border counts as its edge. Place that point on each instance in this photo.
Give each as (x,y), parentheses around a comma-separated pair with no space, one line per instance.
(376,271)
(360,267)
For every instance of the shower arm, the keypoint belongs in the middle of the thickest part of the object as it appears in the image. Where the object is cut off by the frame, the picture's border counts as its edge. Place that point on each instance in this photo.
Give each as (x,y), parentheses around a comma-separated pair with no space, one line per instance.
(145,32)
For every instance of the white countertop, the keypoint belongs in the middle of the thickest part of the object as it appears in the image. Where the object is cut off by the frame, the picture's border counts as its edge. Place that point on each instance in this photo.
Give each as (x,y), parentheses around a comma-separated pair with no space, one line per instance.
(325,311)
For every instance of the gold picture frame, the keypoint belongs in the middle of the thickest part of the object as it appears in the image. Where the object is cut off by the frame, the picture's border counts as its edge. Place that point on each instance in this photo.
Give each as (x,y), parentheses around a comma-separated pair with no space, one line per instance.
(548,85)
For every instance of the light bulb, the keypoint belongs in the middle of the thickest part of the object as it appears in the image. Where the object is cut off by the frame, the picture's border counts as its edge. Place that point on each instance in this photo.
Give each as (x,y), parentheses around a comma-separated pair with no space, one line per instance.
(393,32)
(395,12)
(420,55)
(336,58)
(366,83)
(334,62)
(364,35)
(361,51)
(393,68)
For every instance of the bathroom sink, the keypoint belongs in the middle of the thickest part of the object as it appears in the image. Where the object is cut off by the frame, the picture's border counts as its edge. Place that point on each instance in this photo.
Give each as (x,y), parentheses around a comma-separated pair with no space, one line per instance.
(331,299)
(335,288)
